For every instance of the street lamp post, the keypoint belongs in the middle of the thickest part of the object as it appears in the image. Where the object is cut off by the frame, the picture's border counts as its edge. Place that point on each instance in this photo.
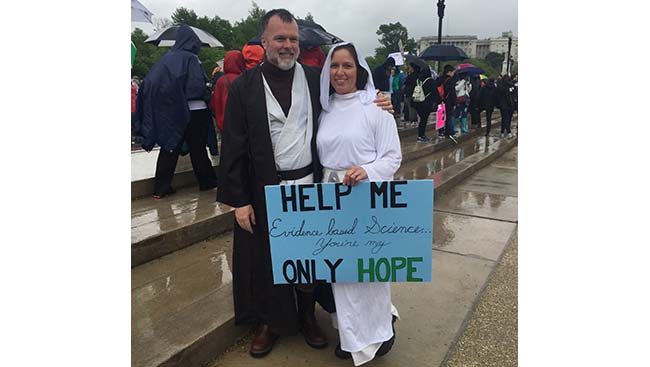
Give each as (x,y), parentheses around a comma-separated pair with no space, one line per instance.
(441,14)
(509,47)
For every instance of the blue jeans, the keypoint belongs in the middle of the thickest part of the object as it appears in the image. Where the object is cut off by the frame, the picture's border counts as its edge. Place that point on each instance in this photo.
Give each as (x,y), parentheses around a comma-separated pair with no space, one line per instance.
(460,113)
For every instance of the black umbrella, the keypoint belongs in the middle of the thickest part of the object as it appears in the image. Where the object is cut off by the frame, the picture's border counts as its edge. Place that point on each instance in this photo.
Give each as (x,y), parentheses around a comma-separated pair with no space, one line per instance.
(468,69)
(412,59)
(441,52)
(167,37)
(310,34)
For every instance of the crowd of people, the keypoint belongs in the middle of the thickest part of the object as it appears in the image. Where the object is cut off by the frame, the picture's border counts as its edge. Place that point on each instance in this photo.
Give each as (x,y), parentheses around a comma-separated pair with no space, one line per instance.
(291,116)
(461,95)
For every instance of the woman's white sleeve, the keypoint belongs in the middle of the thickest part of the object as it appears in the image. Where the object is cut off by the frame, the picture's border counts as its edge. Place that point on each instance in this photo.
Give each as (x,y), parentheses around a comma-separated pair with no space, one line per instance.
(387,145)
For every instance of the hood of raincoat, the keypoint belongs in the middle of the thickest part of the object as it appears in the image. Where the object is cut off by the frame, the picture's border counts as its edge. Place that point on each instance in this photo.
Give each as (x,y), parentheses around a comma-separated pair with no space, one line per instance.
(366,96)
(177,77)
(187,40)
(234,63)
(253,54)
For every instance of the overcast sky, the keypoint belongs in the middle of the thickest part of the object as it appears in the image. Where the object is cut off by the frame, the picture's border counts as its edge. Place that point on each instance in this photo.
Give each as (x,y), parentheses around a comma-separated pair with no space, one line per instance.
(358,20)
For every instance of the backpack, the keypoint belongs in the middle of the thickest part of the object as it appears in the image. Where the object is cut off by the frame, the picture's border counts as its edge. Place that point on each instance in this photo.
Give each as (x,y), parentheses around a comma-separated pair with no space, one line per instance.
(418,91)
(441,89)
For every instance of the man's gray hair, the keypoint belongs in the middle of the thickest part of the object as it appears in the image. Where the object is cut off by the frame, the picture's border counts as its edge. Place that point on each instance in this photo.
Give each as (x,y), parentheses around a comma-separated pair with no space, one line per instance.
(284,14)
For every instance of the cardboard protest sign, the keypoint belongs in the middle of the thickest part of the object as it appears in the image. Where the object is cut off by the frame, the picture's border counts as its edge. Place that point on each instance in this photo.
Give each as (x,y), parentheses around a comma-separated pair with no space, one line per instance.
(373,232)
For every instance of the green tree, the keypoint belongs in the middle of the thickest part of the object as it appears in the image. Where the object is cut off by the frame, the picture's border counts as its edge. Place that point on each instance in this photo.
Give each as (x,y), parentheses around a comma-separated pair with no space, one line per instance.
(233,37)
(209,57)
(373,62)
(249,27)
(161,23)
(495,60)
(391,34)
(220,28)
(309,18)
(147,54)
(184,15)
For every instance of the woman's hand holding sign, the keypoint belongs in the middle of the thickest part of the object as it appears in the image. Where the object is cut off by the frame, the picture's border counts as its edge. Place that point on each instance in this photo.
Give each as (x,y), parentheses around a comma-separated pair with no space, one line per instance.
(245,215)
(354,175)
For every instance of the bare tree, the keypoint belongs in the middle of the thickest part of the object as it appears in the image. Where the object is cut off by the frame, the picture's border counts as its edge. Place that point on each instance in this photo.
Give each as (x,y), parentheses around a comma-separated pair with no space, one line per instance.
(161,23)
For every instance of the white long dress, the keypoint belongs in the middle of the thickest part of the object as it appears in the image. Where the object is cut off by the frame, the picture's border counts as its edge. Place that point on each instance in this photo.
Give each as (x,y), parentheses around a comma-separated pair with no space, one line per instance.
(356,134)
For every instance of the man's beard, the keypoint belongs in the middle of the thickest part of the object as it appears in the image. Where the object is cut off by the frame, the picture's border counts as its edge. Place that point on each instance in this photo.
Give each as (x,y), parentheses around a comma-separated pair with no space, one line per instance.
(283,64)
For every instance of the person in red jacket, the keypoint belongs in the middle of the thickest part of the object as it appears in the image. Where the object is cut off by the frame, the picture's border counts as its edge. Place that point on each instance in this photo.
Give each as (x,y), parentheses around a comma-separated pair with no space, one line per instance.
(253,54)
(313,56)
(134,95)
(233,65)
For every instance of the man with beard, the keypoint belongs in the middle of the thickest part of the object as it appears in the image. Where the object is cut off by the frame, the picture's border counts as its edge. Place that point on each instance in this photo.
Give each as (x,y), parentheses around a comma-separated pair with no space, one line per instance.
(270,126)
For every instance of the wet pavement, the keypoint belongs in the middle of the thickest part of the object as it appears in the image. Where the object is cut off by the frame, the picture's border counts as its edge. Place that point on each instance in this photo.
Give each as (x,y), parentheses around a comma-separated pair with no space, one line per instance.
(151,217)
(438,161)
(161,226)
(490,338)
(171,299)
(143,164)
(184,299)
(466,249)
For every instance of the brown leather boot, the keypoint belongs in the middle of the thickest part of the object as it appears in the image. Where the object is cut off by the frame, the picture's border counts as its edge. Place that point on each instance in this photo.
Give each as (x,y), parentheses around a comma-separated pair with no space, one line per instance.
(263,342)
(314,336)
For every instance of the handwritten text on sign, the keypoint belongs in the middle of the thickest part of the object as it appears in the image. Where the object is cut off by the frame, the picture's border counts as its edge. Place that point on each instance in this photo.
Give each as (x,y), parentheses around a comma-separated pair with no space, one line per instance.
(372,232)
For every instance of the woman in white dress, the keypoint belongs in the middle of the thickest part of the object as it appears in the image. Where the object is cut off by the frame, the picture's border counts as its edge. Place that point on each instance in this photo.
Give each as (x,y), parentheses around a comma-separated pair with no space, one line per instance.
(357,141)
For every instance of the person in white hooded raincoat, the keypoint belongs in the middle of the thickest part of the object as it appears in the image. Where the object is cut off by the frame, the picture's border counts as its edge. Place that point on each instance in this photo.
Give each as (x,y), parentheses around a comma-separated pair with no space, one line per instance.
(357,141)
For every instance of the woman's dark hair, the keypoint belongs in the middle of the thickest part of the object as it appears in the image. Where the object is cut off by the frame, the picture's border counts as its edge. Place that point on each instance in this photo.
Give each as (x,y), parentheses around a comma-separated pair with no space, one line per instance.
(448,68)
(362,74)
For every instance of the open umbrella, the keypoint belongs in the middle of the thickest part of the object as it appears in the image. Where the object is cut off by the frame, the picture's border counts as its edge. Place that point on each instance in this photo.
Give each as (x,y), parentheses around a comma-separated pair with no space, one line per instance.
(412,59)
(468,69)
(167,37)
(139,13)
(441,52)
(310,34)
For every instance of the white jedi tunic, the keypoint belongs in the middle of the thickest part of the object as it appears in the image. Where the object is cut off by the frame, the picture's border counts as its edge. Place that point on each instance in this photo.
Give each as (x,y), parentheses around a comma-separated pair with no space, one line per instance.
(291,135)
(355,134)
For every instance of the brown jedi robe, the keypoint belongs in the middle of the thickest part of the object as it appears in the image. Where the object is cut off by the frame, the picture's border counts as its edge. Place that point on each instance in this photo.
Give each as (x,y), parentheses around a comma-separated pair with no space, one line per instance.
(247,164)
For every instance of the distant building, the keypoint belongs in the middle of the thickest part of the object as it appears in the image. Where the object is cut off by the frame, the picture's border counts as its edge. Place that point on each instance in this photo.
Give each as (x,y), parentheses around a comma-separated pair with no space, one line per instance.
(466,43)
(475,48)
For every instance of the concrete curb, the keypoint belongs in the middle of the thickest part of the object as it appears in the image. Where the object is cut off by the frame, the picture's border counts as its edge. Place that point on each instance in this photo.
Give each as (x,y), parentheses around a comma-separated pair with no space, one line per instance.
(206,348)
(144,188)
(447,143)
(452,176)
(168,242)
(472,310)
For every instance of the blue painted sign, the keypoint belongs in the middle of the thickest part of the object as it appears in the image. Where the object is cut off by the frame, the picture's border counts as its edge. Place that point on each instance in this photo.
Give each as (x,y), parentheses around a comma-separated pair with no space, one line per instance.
(372,232)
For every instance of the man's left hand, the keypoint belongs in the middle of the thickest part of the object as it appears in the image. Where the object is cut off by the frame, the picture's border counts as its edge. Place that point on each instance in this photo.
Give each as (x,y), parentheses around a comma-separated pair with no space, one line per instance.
(383,101)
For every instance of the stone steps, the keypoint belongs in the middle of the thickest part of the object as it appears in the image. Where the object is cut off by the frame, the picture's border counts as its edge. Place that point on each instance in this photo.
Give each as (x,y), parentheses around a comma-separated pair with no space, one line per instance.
(159,227)
(143,164)
(182,310)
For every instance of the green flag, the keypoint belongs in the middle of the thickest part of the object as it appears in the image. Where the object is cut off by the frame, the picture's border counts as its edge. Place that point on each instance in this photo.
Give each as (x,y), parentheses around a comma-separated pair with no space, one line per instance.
(133,50)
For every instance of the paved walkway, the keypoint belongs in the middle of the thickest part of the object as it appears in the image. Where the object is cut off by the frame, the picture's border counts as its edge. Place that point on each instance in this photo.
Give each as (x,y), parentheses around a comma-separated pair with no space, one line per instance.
(473,224)
(491,335)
